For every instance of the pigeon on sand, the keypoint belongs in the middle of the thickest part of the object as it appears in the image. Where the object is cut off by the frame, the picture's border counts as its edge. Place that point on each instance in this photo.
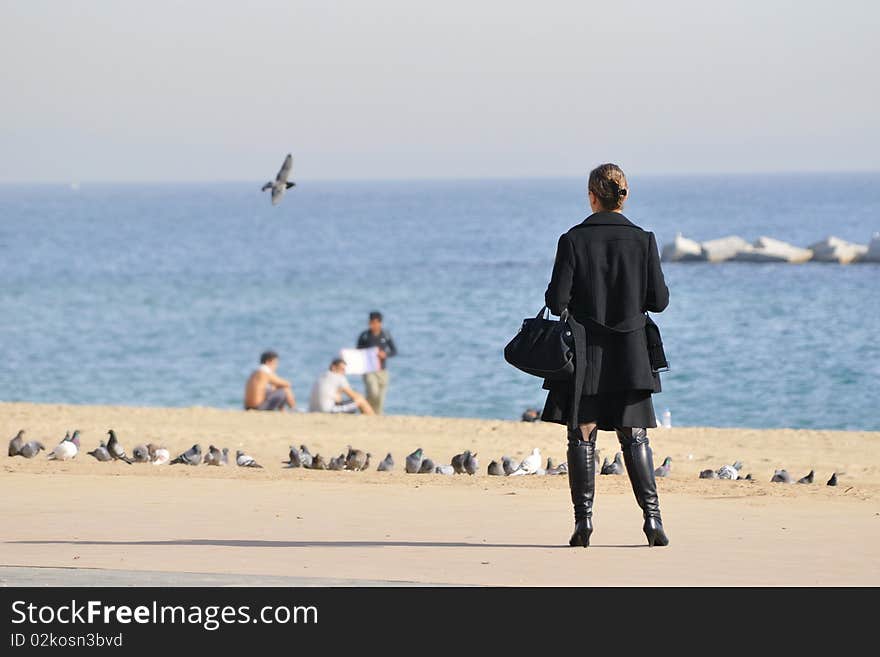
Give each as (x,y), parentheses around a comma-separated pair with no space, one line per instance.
(615,467)
(496,469)
(245,460)
(530,464)
(31,448)
(387,464)
(65,451)
(140,454)
(192,456)
(158,455)
(664,469)
(833,480)
(116,450)
(471,464)
(213,456)
(100,453)
(356,459)
(807,479)
(16,443)
(414,461)
(781,477)
(293,458)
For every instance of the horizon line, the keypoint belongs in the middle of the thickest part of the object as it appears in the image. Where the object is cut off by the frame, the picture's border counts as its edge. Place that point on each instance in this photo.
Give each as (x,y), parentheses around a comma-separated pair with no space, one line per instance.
(443,178)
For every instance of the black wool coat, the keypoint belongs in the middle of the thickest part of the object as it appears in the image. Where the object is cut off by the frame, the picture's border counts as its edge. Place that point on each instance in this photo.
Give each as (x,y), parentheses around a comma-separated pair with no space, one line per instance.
(607,273)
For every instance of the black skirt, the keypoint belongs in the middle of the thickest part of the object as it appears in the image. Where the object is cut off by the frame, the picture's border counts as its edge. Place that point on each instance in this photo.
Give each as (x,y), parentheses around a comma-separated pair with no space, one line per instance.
(609,410)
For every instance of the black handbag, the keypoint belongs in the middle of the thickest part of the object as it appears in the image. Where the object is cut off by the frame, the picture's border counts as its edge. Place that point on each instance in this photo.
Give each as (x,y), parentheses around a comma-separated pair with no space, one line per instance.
(656,354)
(543,347)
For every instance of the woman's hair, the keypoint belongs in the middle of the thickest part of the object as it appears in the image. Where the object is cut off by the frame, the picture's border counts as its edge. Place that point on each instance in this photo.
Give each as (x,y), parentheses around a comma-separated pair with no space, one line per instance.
(608,184)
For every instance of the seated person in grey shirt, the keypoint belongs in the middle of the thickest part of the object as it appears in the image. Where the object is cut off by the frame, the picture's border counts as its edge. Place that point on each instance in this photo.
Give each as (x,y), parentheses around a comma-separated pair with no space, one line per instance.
(332,393)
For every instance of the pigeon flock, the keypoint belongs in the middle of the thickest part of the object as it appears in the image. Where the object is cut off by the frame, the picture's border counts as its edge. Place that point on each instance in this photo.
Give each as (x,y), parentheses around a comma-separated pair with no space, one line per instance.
(779,477)
(464,463)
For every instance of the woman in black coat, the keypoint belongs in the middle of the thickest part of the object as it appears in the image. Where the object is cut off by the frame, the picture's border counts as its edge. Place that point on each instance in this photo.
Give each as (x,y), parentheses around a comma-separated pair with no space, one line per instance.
(607,274)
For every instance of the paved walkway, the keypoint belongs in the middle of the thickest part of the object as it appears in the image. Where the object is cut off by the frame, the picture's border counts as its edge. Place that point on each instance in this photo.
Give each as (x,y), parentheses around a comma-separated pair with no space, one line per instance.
(43,576)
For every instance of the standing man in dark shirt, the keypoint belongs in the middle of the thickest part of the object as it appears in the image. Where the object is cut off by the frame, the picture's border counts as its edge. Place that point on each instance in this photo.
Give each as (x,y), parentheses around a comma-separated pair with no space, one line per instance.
(376,383)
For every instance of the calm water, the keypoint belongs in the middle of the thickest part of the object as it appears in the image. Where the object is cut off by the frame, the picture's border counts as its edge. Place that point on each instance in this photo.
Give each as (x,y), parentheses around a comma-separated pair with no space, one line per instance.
(166,294)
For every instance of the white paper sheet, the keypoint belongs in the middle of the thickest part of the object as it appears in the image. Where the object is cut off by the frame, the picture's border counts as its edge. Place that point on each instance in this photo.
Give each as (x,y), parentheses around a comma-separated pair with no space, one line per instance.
(361,361)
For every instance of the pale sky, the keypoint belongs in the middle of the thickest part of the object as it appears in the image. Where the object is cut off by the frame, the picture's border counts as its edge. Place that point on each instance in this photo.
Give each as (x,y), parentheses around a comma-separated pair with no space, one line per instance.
(221,90)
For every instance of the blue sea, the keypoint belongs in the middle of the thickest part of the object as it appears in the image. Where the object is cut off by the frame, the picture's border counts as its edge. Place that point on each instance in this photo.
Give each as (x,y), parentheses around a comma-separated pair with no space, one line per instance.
(165,295)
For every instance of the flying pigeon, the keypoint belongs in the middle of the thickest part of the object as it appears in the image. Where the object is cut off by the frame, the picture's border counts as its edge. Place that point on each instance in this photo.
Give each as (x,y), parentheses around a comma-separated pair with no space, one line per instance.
(213,456)
(444,470)
(414,461)
(16,443)
(293,459)
(427,467)
(496,469)
(663,470)
(387,464)
(833,480)
(305,456)
(615,467)
(781,477)
(530,464)
(192,456)
(280,185)
(471,464)
(158,455)
(100,453)
(115,449)
(356,459)
(140,454)
(246,461)
(807,479)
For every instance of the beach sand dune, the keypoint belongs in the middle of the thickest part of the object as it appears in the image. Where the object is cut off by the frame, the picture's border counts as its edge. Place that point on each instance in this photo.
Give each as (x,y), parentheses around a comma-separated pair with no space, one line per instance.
(314,527)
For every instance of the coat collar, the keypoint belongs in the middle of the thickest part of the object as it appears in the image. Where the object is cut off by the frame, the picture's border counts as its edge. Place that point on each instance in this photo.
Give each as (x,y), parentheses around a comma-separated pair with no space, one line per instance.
(607,219)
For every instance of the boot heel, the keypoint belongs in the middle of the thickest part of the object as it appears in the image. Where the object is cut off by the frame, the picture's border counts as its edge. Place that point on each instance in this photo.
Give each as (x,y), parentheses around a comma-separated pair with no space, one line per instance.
(654,533)
(581,536)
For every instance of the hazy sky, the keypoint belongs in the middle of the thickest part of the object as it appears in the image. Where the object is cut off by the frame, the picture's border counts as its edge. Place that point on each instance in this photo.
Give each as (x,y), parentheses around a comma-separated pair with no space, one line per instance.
(221,90)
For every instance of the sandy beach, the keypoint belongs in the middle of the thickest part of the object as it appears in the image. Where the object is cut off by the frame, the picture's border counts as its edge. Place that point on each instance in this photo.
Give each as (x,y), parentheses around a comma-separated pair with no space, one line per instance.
(165,524)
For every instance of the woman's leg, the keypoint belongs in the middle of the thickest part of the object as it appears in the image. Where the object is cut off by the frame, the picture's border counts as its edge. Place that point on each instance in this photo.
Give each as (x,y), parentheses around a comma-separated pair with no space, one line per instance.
(582,481)
(640,467)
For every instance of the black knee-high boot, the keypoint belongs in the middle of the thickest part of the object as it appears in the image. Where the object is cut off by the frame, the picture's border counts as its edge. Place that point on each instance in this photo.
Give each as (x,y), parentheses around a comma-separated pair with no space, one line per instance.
(640,467)
(582,482)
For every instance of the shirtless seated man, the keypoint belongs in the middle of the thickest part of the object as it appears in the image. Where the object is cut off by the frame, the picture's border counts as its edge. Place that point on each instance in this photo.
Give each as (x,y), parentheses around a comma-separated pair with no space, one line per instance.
(265,390)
